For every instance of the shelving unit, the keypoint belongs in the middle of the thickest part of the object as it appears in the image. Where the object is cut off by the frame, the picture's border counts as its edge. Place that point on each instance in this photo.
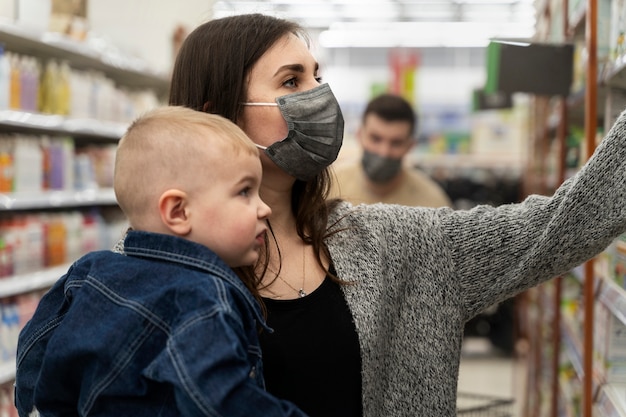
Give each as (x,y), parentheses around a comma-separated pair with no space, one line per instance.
(28,122)
(572,341)
(125,72)
(123,69)
(57,199)
(20,284)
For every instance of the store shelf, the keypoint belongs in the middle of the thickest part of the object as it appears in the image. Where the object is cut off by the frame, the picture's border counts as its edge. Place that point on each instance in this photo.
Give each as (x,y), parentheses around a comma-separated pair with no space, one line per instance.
(614,298)
(122,69)
(57,199)
(577,20)
(585,25)
(566,392)
(578,273)
(7,372)
(35,281)
(611,401)
(27,122)
(466,160)
(92,56)
(542,6)
(576,104)
(572,346)
(614,73)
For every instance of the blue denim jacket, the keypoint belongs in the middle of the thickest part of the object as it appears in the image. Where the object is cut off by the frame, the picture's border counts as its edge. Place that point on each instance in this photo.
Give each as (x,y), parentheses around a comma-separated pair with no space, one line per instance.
(167,329)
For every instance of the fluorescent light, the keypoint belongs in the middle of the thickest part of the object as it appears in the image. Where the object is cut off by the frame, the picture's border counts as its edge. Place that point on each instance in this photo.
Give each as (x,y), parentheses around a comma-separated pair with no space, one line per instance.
(420,34)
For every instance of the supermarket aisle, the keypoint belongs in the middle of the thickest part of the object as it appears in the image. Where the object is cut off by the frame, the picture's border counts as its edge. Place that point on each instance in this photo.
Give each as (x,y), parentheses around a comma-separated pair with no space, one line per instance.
(485,372)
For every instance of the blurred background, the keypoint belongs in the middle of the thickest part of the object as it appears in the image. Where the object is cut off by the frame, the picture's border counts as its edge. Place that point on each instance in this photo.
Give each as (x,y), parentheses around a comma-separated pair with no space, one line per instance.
(510,97)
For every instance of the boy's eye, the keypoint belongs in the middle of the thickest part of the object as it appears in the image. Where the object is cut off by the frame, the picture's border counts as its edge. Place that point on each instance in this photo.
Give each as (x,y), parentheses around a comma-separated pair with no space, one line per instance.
(245,192)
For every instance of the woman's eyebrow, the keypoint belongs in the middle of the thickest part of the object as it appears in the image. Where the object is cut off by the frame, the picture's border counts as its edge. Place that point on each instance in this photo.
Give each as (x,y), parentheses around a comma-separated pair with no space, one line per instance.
(290,67)
(294,67)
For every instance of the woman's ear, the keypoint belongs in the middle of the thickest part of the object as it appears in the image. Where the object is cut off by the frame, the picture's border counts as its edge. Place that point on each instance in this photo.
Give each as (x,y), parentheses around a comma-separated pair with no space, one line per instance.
(173,210)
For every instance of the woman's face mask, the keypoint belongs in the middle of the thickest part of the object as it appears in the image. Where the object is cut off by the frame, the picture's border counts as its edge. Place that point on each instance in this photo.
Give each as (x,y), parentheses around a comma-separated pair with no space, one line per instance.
(379,168)
(315,124)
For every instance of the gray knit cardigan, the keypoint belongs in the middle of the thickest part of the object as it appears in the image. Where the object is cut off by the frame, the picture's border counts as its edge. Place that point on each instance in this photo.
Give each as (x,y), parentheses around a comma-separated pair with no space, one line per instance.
(419,274)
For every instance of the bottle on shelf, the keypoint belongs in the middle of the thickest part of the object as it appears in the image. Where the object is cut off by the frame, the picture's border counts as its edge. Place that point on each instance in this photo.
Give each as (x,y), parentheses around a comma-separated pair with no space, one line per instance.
(5,77)
(63,89)
(49,88)
(15,86)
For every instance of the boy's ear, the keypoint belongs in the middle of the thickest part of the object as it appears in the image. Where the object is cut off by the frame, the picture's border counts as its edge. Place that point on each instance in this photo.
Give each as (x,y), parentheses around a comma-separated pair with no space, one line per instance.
(173,210)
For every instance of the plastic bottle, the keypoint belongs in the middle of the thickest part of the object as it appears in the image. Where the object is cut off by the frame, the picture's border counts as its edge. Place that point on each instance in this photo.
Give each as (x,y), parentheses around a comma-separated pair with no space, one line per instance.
(25,83)
(15,87)
(73,225)
(6,167)
(48,88)
(56,237)
(35,240)
(6,258)
(28,163)
(63,89)
(30,84)
(91,232)
(5,76)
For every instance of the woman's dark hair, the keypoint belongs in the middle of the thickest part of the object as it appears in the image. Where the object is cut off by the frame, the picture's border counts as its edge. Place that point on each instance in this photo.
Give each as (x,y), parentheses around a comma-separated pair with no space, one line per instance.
(210,74)
(212,66)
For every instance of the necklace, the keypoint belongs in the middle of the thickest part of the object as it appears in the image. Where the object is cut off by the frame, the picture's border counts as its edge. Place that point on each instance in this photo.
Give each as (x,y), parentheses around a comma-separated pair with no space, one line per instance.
(301,293)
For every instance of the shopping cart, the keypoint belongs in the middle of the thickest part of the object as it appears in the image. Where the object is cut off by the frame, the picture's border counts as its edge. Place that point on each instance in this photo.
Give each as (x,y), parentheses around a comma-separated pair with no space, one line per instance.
(481,405)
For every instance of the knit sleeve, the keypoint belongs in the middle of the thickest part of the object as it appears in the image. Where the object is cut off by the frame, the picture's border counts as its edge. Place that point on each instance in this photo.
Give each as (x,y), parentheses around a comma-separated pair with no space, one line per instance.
(498,252)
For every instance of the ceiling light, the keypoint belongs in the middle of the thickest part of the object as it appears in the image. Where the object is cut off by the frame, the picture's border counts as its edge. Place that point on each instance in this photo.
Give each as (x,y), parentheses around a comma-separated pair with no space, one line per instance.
(422,34)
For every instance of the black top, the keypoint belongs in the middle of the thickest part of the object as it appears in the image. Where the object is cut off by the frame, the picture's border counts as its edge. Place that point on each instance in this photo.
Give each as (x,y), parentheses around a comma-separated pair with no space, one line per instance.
(313,357)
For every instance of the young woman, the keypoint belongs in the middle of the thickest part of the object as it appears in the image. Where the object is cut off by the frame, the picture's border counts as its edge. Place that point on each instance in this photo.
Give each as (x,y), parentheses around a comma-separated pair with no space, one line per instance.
(368,303)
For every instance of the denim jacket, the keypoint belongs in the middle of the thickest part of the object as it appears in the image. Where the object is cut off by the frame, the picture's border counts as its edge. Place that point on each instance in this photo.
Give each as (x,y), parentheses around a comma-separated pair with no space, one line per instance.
(165,329)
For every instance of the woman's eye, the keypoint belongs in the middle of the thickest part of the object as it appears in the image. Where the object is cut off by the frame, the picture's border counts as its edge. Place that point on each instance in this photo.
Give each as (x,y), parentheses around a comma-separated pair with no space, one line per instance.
(290,82)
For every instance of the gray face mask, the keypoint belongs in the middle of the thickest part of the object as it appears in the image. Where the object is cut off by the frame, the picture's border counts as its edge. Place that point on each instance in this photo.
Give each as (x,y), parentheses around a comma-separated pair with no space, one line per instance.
(379,168)
(315,135)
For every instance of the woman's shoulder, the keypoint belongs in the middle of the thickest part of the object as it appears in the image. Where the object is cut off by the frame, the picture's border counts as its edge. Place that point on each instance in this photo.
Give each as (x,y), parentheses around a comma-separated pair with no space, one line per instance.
(343,210)
(375,219)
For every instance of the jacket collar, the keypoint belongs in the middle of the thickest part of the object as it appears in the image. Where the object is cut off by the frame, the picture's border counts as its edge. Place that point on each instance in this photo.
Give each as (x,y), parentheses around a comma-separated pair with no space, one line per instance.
(185,252)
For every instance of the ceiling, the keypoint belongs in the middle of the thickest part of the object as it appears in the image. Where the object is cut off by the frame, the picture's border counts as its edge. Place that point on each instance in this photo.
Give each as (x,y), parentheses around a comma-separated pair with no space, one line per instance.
(397,23)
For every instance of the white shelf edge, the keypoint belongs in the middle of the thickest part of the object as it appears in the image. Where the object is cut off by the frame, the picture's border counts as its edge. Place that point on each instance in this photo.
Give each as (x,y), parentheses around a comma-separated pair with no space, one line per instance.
(578,273)
(7,372)
(610,402)
(68,48)
(467,160)
(53,123)
(25,283)
(614,298)
(57,199)
(572,346)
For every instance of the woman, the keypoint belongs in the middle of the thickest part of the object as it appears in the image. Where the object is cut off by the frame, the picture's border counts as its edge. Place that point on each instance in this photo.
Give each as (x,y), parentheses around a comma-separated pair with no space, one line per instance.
(368,303)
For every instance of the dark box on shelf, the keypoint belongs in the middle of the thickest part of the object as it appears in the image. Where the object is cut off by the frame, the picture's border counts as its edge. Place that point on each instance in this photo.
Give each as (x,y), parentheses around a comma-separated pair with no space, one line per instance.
(481,100)
(538,68)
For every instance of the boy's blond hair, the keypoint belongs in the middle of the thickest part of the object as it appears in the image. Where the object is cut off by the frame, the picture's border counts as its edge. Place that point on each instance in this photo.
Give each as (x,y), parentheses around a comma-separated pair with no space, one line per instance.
(171,147)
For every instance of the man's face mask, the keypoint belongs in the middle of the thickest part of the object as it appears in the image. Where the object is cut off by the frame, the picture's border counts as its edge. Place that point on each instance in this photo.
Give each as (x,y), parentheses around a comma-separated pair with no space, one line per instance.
(379,168)
(315,124)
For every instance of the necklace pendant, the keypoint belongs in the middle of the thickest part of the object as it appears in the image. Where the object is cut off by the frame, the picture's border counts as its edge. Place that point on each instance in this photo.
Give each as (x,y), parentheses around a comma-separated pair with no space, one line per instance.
(301,293)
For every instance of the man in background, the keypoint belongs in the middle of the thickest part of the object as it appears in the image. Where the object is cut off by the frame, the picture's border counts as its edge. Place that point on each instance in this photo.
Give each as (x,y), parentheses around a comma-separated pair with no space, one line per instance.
(386,136)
